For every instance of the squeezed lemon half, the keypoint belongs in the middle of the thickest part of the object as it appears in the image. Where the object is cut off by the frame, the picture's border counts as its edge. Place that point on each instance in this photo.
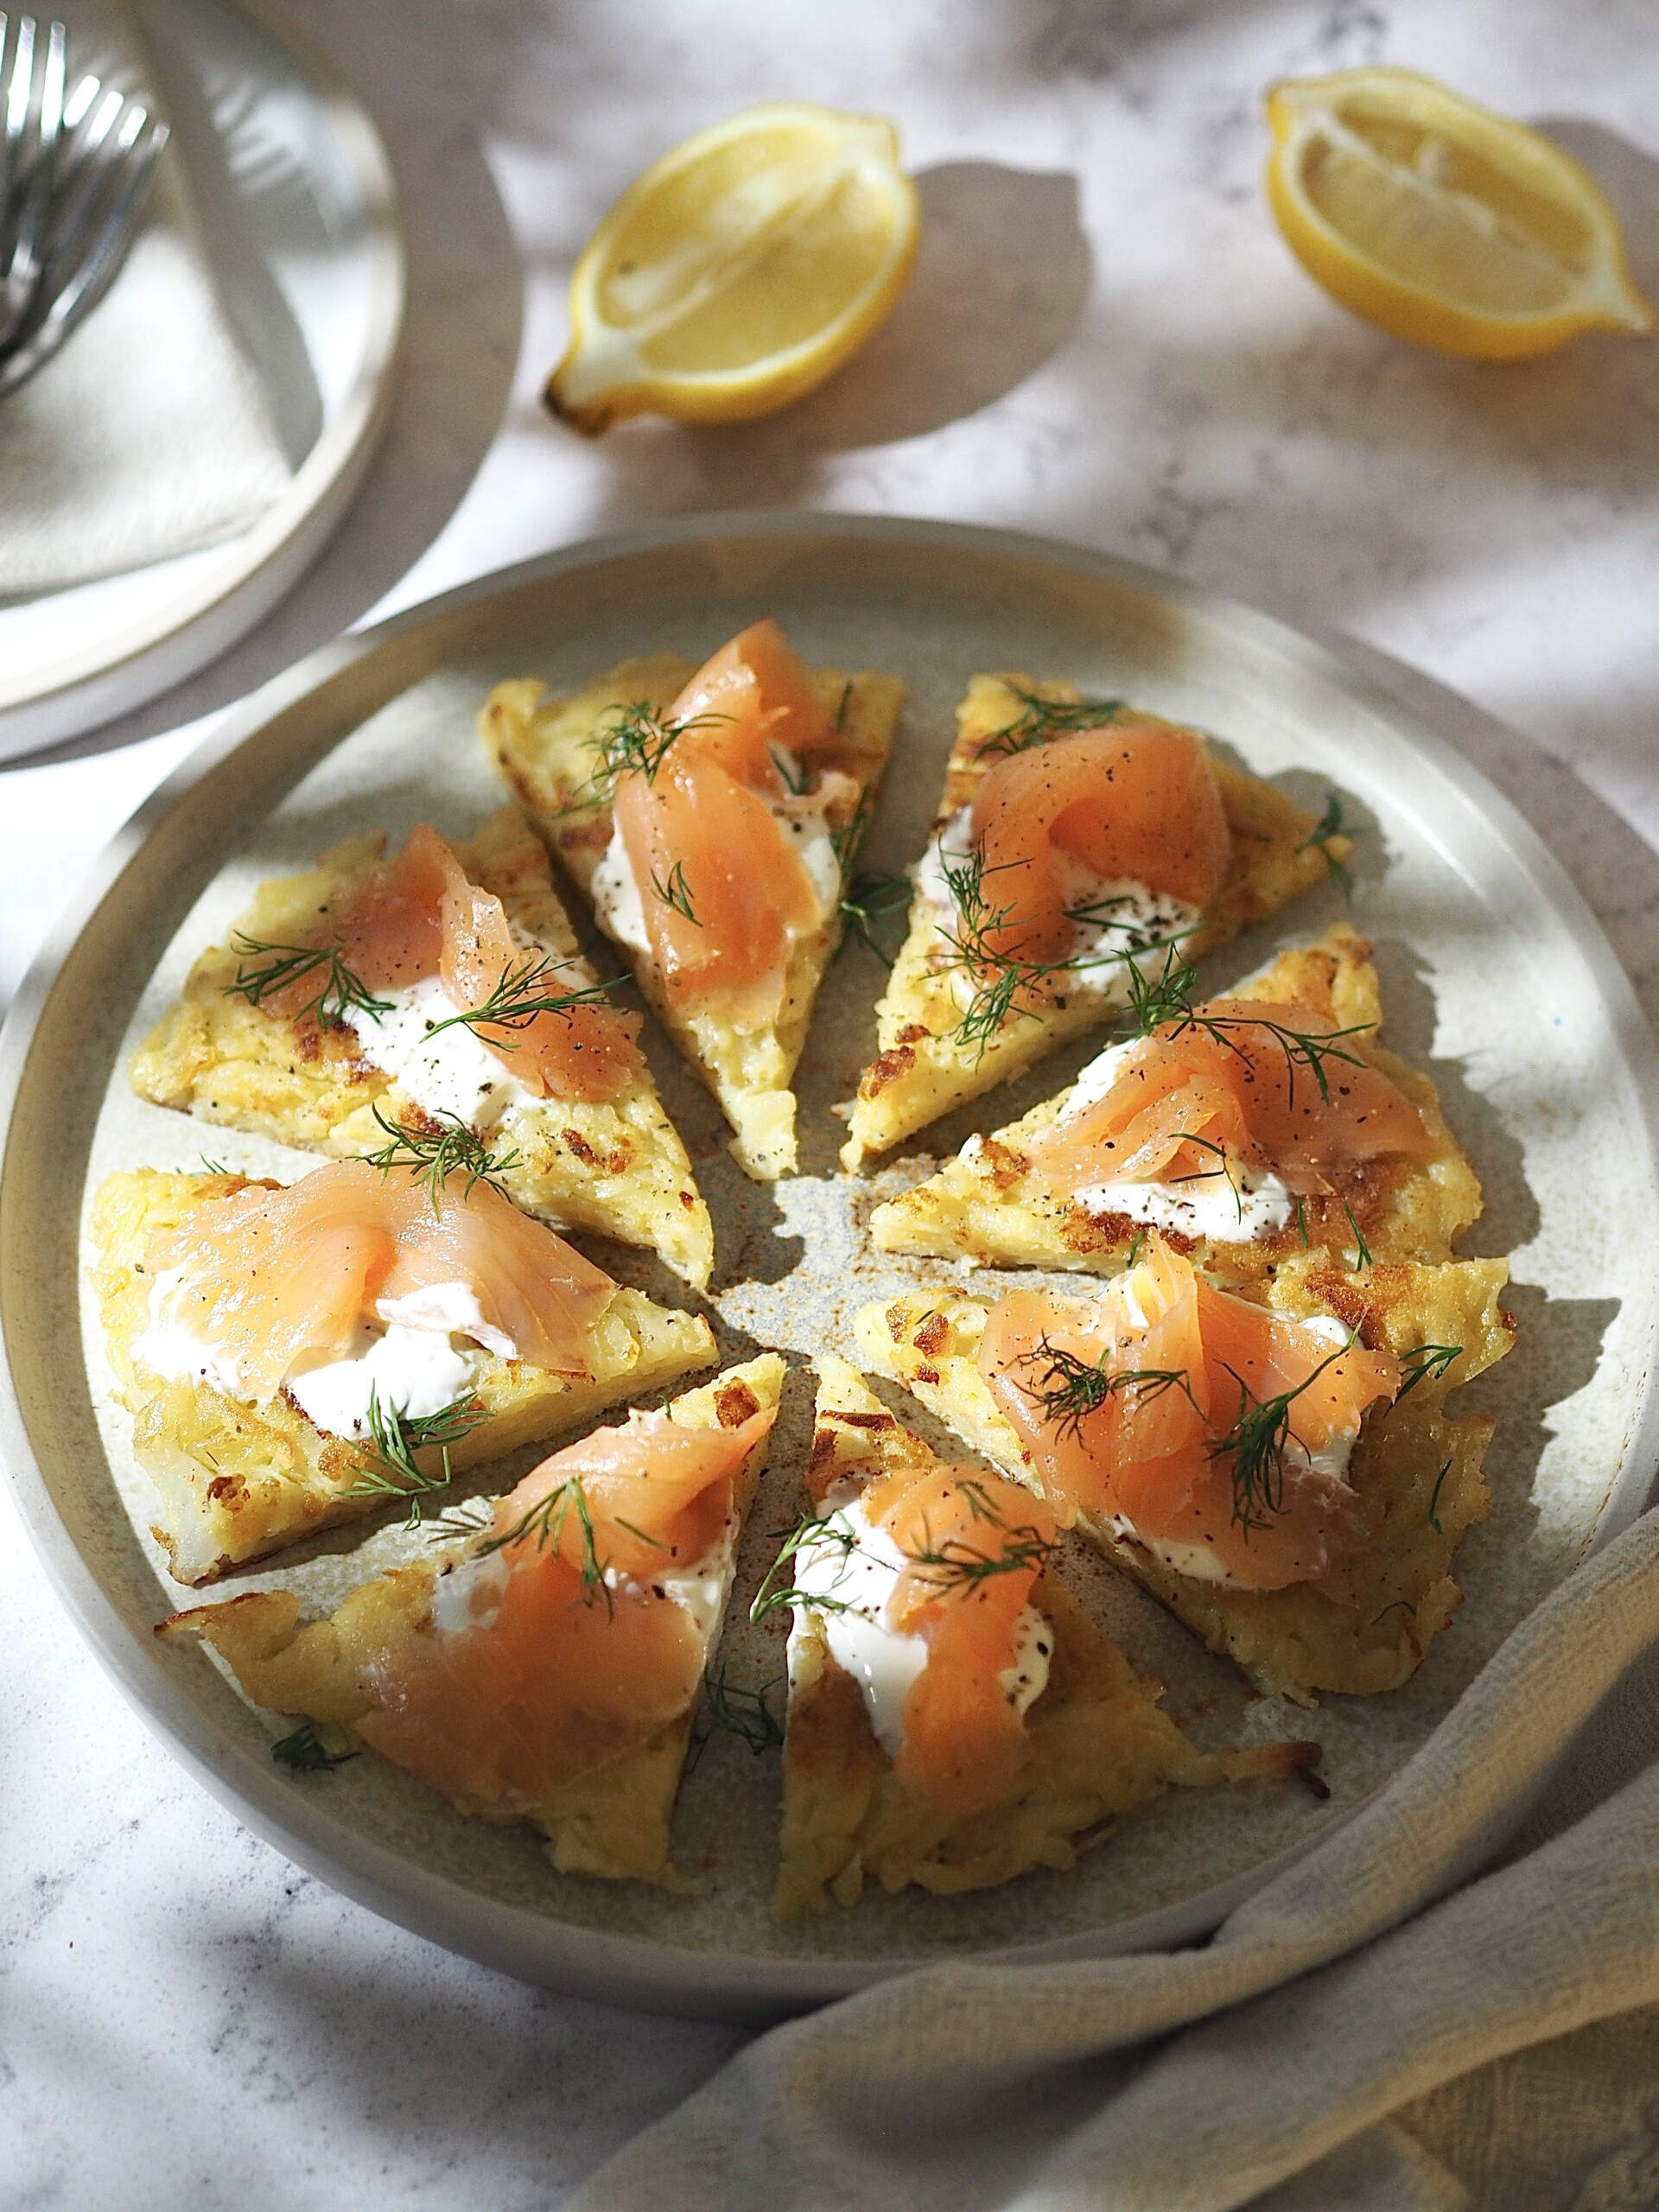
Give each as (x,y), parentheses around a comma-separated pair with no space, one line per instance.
(1441,222)
(739,270)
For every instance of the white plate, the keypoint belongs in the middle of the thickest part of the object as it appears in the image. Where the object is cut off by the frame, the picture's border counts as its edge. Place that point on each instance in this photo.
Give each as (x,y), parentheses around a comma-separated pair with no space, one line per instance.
(295,207)
(1496,977)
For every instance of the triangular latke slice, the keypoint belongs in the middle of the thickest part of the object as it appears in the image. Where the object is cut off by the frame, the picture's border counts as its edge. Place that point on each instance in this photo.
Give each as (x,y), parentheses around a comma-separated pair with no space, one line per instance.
(986,1205)
(1099,1748)
(1416,1470)
(926,1064)
(237,1482)
(546,750)
(614,1167)
(611,1818)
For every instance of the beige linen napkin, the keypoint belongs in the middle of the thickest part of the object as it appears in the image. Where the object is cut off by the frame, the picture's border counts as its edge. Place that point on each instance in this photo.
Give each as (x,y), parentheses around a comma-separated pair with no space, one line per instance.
(148,435)
(1503,1890)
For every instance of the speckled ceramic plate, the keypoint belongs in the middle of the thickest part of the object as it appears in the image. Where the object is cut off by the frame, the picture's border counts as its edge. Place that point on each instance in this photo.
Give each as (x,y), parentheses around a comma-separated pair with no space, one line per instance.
(1496,979)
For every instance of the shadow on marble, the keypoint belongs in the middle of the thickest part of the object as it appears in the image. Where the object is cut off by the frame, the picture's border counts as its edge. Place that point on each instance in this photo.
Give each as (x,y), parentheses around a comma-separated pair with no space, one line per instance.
(462,324)
(1001,280)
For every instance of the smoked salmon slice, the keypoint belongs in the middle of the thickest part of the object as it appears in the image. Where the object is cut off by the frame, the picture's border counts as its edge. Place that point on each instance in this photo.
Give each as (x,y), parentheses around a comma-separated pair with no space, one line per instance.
(269,1278)
(571,1652)
(421,917)
(1208,1429)
(974,1546)
(1240,1081)
(724,889)
(1136,803)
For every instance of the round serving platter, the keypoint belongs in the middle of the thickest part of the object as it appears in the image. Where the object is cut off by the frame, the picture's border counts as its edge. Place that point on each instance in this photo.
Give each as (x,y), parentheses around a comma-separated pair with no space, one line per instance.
(1496,979)
(297,218)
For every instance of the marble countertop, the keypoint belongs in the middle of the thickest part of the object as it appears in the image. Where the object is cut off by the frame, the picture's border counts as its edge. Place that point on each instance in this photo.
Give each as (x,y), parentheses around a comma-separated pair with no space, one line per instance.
(1104,340)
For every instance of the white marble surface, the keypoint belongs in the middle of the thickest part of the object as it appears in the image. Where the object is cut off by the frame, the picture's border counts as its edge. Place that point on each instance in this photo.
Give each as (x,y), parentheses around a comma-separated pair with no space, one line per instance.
(1106,341)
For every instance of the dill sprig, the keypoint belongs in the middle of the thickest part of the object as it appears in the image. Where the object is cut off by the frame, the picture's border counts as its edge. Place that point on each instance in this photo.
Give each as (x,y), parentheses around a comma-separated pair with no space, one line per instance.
(1001,978)
(339,989)
(452,1148)
(812,1530)
(1069,1390)
(958,1565)
(546,1522)
(870,900)
(1165,1002)
(676,893)
(1041,719)
(395,1438)
(794,774)
(1330,824)
(1362,1249)
(522,996)
(1424,1363)
(214,1166)
(306,1753)
(1209,1175)
(867,897)
(1257,1442)
(1434,1499)
(729,1709)
(636,740)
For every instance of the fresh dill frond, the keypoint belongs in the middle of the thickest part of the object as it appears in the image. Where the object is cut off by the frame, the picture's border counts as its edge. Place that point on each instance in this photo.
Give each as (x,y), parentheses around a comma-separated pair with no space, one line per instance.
(1165,1001)
(546,1521)
(1069,1390)
(214,1166)
(999,978)
(636,741)
(730,1709)
(306,1753)
(1209,1175)
(1362,1249)
(339,989)
(1256,1444)
(845,700)
(1424,1363)
(1041,719)
(471,1519)
(811,1532)
(958,1565)
(1166,997)
(794,774)
(1302,1221)
(395,1438)
(523,996)
(436,1155)
(1135,1242)
(676,894)
(1434,1499)
(1330,824)
(870,900)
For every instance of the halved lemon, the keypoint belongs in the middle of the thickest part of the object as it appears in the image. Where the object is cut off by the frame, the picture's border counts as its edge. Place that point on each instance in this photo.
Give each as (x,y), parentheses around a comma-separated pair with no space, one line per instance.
(1441,222)
(741,270)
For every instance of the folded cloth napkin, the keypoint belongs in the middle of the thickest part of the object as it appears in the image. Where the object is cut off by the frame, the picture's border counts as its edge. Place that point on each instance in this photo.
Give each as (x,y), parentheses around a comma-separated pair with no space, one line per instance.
(147,436)
(1503,1890)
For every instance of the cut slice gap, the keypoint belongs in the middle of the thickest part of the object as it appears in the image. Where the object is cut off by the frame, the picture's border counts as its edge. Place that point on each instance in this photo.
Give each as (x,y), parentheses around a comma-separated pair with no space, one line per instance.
(927,1062)
(988,1206)
(238,1483)
(1415,1470)
(606,1805)
(1100,1749)
(610,1166)
(547,751)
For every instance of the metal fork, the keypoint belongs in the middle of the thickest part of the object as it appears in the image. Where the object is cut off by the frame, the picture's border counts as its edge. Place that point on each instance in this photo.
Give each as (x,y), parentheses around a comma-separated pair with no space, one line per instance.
(73,172)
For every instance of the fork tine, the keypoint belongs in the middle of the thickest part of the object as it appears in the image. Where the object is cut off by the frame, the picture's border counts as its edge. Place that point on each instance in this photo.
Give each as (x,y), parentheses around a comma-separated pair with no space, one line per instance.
(98,269)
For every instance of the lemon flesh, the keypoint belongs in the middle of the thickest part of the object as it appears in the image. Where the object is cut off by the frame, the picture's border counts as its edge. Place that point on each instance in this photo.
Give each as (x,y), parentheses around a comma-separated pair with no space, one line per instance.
(1442,222)
(741,270)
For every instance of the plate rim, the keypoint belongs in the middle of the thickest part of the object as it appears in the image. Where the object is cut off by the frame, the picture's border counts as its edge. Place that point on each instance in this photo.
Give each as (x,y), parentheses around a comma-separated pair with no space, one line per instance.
(608,1966)
(87,686)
